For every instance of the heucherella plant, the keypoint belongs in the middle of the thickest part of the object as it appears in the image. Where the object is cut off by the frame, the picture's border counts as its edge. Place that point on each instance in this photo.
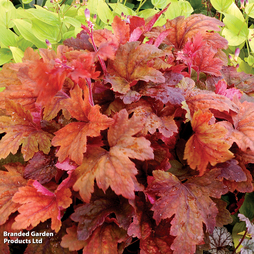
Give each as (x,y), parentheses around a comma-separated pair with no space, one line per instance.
(125,136)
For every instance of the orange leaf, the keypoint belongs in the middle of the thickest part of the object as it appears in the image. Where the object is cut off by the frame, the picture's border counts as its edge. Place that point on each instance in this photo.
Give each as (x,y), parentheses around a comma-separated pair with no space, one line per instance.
(190,203)
(40,204)
(181,29)
(205,100)
(9,184)
(21,130)
(72,138)
(114,168)
(132,63)
(207,144)
(243,132)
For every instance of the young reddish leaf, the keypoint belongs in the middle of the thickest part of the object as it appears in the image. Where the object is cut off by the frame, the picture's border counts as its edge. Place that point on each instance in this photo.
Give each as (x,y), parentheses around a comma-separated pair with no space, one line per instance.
(80,42)
(82,65)
(114,168)
(132,63)
(10,182)
(92,215)
(41,168)
(72,138)
(104,240)
(190,203)
(140,30)
(21,130)
(221,88)
(40,204)
(207,144)
(206,61)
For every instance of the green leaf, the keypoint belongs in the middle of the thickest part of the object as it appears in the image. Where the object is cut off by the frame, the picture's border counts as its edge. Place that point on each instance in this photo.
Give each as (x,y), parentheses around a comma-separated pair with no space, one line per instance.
(17,53)
(236,31)
(25,29)
(7,13)
(147,13)
(27,1)
(5,56)
(45,31)
(249,9)
(72,21)
(23,44)
(160,4)
(45,15)
(247,207)
(239,227)
(235,11)
(221,6)
(119,8)
(181,8)
(104,12)
(92,5)
(7,37)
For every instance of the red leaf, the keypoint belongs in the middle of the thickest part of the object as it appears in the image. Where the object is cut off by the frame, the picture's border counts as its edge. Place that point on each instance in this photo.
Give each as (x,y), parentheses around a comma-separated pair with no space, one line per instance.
(114,168)
(9,185)
(92,215)
(80,42)
(104,240)
(207,144)
(191,205)
(221,88)
(21,130)
(41,168)
(72,138)
(40,204)
(140,30)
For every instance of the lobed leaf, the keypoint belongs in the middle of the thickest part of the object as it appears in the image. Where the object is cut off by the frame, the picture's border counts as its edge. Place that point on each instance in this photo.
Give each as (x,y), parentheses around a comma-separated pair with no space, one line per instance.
(39,204)
(114,168)
(208,144)
(11,181)
(22,130)
(189,203)
(72,138)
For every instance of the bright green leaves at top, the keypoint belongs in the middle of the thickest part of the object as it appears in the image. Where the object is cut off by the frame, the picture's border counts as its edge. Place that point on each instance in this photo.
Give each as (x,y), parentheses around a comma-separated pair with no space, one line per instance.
(221,6)
(43,15)
(7,13)
(236,31)
(249,9)
(178,8)
(104,12)
(160,4)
